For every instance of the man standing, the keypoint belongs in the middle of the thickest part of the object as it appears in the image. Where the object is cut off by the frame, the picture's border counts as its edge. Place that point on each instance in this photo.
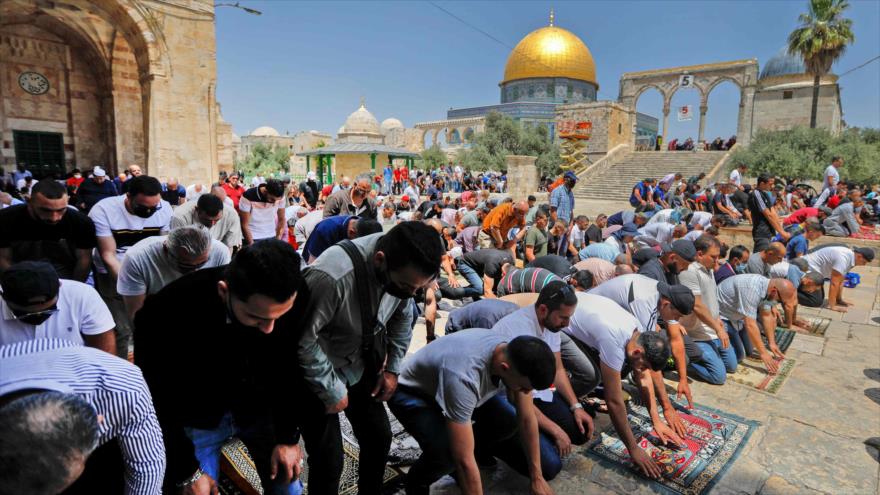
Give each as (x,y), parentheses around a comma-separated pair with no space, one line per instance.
(562,199)
(831,176)
(45,229)
(155,262)
(120,222)
(310,189)
(370,292)
(498,223)
(85,399)
(209,210)
(242,337)
(35,304)
(736,176)
(765,222)
(450,400)
(352,201)
(561,417)
(261,210)
(388,177)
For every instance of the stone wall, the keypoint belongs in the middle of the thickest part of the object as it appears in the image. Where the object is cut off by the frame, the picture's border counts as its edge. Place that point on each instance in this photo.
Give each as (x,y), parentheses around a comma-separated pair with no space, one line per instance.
(522,176)
(612,123)
(354,164)
(774,112)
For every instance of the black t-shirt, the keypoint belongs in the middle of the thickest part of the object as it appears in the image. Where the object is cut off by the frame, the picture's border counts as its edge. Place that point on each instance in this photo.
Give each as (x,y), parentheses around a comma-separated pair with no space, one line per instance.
(593,234)
(758,202)
(556,264)
(488,262)
(33,240)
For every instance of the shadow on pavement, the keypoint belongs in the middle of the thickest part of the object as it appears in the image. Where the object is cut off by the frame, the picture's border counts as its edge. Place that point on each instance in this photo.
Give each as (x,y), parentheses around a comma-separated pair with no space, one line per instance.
(873,373)
(873,394)
(872,446)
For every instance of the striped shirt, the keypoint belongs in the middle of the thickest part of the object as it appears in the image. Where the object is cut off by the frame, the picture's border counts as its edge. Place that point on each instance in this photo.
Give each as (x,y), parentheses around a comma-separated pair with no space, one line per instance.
(740,296)
(114,387)
(525,280)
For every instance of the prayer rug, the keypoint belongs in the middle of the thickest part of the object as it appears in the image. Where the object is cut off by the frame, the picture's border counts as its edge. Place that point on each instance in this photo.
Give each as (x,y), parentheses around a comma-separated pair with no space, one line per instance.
(241,478)
(714,440)
(751,372)
(817,325)
(784,337)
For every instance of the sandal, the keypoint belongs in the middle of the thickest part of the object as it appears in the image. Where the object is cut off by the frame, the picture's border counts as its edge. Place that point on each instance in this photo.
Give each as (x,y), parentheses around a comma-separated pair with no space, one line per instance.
(595,405)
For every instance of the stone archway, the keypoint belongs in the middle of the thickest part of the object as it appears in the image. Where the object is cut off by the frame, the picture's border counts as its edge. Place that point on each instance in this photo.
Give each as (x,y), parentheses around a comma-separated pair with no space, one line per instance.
(743,73)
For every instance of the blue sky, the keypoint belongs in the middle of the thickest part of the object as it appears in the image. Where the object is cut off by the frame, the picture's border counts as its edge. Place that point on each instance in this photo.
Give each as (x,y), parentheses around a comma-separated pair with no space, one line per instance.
(305,65)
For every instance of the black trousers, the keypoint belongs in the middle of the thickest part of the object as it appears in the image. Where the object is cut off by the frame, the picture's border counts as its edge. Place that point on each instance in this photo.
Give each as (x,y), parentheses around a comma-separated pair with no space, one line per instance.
(324,440)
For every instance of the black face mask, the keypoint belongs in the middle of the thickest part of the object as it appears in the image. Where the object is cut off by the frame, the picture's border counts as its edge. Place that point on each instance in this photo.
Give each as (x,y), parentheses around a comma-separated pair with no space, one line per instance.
(35,318)
(143,211)
(388,285)
(672,268)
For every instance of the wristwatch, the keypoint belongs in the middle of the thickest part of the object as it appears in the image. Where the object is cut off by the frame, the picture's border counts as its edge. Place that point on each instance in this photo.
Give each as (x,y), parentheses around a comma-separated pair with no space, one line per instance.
(192,479)
(576,405)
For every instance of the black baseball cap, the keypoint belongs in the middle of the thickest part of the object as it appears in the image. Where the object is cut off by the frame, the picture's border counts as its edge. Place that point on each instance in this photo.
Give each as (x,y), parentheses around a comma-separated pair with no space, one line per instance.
(681,247)
(681,297)
(30,282)
(868,253)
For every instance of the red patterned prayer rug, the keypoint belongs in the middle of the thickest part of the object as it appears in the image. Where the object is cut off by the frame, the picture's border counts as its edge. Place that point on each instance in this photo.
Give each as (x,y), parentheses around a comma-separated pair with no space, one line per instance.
(714,441)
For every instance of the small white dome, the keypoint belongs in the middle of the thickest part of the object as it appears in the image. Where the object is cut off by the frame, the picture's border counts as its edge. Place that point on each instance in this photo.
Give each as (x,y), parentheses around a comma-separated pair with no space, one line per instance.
(265,131)
(390,124)
(341,130)
(362,121)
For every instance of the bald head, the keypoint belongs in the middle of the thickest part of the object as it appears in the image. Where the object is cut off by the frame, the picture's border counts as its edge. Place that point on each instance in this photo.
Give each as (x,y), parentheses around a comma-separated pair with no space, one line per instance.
(774,253)
(522,206)
(783,290)
(623,270)
(435,224)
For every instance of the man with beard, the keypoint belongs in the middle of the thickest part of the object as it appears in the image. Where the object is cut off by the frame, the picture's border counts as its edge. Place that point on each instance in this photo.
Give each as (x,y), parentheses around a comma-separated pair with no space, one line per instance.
(240,340)
(120,222)
(46,229)
(364,285)
(562,420)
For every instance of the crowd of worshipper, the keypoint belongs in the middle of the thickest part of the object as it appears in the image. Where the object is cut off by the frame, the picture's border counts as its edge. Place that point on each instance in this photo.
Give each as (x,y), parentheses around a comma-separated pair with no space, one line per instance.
(143,326)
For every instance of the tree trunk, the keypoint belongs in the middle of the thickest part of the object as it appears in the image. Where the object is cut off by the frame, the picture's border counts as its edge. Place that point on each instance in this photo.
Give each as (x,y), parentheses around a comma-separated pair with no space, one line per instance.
(815,108)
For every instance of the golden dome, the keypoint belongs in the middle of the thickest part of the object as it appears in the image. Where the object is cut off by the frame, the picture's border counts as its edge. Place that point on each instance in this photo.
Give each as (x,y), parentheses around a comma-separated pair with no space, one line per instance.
(550,52)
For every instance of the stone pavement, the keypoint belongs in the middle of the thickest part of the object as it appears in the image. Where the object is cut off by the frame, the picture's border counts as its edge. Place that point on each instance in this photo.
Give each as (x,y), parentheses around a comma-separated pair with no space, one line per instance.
(819,434)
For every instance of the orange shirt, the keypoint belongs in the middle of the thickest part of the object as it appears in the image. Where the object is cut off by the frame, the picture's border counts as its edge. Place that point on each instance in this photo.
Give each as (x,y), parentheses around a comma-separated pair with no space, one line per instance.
(504,218)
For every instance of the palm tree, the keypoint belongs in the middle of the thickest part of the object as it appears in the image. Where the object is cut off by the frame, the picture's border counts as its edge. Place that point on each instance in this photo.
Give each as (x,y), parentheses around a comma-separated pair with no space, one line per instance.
(820,40)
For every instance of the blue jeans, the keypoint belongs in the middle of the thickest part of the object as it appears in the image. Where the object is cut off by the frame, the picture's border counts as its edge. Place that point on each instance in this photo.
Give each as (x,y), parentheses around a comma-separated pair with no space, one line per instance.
(714,363)
(739,340)
(471,275)
(259,441)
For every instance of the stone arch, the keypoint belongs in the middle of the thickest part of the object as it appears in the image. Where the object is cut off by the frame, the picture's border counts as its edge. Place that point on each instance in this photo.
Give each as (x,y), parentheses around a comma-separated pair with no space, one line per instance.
(468,134)
(645,88)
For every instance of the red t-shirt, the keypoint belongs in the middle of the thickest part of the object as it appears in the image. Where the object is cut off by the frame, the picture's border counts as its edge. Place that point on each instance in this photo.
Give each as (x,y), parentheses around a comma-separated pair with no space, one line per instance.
(801,215)
(396,174)
(74,182)
(234,193)
(404,174)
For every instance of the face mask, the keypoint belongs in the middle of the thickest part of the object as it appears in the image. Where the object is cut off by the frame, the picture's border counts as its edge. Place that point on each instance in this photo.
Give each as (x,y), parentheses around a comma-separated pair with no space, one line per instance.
(77,176)
(143,211)
(389,287)
(740,269)
(36,318)
(672,268)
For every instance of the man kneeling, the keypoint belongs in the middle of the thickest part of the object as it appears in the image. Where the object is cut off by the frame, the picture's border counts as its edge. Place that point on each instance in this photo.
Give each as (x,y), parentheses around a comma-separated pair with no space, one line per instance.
(455,382)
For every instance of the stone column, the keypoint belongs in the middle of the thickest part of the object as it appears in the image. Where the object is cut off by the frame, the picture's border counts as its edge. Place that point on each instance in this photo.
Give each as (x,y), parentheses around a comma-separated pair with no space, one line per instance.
(665,123)
(703,109)
(522,176)
(744,122)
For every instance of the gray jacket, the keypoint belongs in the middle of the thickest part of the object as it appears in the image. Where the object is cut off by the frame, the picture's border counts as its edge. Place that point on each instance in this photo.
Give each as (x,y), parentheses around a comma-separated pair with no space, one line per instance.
(842,221)
(330,348)
(339,203)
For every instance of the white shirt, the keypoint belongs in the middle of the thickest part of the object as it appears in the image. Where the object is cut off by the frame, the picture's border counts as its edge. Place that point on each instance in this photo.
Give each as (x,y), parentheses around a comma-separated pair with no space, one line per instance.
(81,311)
(604,326)
(577,236)
(193,195)
(146,268)
(662,216)
(644,300)
(111,219)
(735,177)
(257,180)
(305,225)
(831,178)
(661,232)
(830,259)
(703,218)
(524,321)
(264,216)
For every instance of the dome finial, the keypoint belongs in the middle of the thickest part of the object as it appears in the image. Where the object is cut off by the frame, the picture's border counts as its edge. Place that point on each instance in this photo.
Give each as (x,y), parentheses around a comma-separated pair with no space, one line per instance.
(552,16)
(363,102)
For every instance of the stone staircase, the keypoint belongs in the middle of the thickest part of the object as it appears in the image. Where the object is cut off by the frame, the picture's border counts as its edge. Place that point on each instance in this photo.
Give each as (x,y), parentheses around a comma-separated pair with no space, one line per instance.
(617,182)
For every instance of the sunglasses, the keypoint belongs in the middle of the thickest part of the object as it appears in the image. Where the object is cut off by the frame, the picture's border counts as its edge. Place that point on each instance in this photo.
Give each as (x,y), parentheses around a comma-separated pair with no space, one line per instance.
(46,312)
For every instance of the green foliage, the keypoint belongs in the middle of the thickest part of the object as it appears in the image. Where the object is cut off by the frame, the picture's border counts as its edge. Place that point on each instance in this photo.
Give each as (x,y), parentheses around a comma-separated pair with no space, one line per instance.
(265,160)
(804,153)
(504,136)
(433,158)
